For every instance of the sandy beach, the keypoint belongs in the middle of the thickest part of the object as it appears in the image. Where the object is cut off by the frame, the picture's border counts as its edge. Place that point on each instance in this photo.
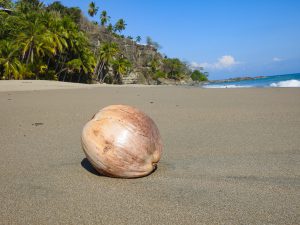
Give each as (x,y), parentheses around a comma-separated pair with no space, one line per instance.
(231,156)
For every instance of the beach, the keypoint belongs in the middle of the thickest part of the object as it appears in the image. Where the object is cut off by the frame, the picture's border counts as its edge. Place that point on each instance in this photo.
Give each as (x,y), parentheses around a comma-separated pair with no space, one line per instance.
(230,156)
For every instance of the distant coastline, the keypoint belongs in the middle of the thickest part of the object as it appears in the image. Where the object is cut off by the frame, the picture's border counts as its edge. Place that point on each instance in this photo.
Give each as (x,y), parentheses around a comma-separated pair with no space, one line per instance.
(234,79)
(285,80)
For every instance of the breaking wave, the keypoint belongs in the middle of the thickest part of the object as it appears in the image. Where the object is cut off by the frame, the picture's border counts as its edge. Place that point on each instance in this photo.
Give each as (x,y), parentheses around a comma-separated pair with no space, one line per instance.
(288,83)
(227,86)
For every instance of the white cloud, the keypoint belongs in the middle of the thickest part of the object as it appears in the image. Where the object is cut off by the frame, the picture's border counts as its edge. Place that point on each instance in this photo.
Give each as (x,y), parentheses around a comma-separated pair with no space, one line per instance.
(276,59)
(225,62)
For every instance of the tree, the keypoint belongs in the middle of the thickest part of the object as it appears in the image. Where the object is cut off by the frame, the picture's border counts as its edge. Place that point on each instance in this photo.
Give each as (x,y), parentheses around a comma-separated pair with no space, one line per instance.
(174,68)
(44,42)
(110,28)
(107,53)
(6,4)
(57,32)
(120,25)
(74,12)
(138,39)
(8,62)
(121,67)
(93,9)
(152,43)
(27,6)
(104,18)
(198,76)
(34,40)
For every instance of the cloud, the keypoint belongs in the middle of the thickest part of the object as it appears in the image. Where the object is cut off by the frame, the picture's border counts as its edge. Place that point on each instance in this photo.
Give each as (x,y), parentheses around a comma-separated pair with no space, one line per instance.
(276,59)
(225,62)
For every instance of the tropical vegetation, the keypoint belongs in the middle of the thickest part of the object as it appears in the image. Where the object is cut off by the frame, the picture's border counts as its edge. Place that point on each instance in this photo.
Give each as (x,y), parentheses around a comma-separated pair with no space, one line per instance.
(40,41)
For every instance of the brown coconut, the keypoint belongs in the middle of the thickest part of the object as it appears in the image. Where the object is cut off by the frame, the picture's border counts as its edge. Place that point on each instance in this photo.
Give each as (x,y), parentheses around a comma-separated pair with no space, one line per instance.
(122,141)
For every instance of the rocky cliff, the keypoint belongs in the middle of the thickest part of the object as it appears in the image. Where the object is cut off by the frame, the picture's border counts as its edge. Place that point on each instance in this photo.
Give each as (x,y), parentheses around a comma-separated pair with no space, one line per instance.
(139,55)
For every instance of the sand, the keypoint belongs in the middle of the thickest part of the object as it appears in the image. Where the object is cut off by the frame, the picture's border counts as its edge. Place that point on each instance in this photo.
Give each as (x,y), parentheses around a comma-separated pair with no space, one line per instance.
(231,156)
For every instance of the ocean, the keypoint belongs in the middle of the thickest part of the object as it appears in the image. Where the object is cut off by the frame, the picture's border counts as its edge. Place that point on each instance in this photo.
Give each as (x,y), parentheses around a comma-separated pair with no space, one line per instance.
(287,80)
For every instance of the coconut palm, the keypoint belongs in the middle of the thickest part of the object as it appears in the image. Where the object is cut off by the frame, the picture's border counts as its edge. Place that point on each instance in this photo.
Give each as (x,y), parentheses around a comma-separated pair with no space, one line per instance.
(110,28)
(8,60)
(57,32)
(6,3)
(34,40)
(107,52)
(120,25)
(93,9)
(104,18)
(121,67)
(138,39)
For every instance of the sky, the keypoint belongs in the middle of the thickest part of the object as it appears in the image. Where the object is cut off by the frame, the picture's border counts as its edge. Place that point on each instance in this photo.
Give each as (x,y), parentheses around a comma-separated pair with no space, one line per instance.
(228,38)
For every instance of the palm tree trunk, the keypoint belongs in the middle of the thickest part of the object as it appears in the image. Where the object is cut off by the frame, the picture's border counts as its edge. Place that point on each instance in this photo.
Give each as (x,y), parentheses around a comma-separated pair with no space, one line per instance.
(48,66)
(100,72)
(57,62)
(96,68)
(64,77)
(29,53)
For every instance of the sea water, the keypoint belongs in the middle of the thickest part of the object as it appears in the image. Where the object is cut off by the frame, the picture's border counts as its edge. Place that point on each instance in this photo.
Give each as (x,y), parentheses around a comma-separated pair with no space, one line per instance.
(287,80)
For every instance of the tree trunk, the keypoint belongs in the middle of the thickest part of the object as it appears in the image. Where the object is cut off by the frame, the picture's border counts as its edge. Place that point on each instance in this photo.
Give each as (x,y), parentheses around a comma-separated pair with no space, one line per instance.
(100,72)
(64,77)
(96,69)
(57,62)
(29,53)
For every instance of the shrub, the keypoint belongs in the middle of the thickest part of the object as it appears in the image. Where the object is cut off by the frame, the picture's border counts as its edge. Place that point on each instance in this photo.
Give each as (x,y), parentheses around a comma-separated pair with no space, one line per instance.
(198,76)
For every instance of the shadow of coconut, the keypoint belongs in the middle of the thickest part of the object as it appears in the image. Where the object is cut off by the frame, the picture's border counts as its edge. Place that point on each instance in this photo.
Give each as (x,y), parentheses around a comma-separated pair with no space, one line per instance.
(88,166)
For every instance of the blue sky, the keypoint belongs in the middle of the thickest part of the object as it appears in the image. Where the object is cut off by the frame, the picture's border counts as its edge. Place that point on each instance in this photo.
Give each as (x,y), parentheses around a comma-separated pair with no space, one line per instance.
(228,38)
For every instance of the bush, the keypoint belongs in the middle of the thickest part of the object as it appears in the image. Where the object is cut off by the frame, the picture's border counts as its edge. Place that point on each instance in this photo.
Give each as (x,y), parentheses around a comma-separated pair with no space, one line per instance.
(159,74)
(198,76)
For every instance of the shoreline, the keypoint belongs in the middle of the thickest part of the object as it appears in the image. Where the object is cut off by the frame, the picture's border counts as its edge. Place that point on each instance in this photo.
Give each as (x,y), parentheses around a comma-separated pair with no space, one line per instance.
(40,85)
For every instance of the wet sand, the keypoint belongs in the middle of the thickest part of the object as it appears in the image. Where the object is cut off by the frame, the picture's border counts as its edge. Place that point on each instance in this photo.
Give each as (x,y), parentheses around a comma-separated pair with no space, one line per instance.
(231,156)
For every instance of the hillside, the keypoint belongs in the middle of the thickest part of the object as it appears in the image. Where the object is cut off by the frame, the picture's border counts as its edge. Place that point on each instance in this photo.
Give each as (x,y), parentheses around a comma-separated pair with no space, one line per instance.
(139,55)
(55,42)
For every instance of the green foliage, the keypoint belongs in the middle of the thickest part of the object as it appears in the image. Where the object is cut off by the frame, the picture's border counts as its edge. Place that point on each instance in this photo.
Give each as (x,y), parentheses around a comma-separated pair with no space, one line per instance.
(120,26)
(159,74)
(93,9)
(104,18)
(138,39)
(152,43)
(121,67)
(110,28)
(43,43)
(73,12)
(7,4)
(46,42)
(198,76)
(174,68)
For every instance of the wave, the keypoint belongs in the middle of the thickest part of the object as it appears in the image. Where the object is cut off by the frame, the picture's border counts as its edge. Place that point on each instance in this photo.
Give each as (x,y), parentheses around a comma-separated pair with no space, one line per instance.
(227,86)
(287,83)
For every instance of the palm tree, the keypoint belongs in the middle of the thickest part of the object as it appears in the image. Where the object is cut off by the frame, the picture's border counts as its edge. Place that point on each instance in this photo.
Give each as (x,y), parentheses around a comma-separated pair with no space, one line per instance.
(138,39)
(44,43)
(58,36)
(121,67)
(104,18)
(34,40)
(110,28)
(6,3)
(8,60)
(93,9)
(107,52)
(57,32)
(120,25)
